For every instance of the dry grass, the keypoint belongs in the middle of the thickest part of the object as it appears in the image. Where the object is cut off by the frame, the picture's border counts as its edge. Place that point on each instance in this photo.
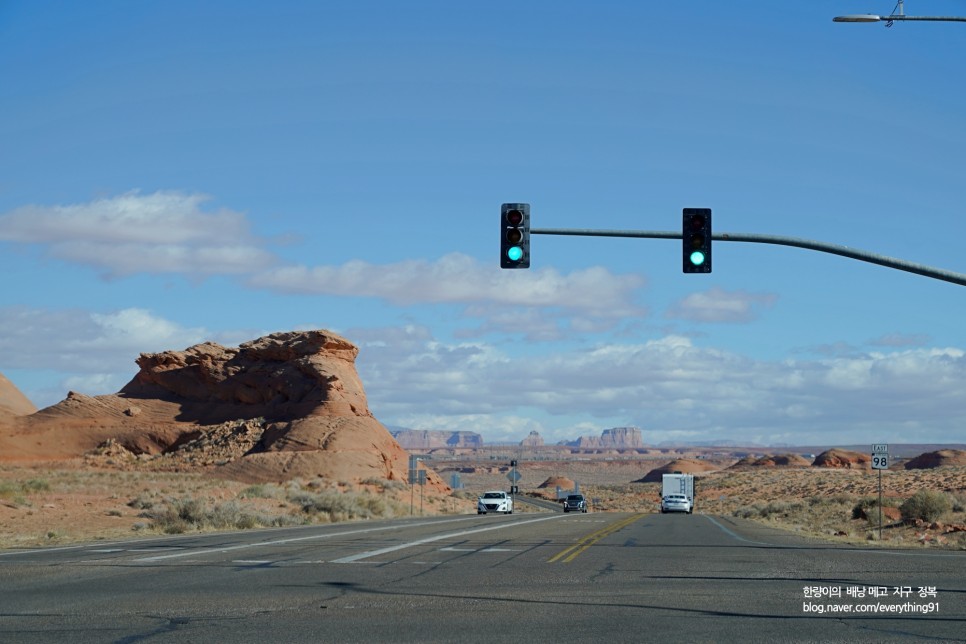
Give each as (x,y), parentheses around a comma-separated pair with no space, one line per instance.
(70,502)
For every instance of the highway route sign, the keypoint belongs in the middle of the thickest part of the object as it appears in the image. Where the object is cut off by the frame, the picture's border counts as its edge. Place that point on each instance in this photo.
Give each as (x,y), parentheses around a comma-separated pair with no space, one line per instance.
(880,461)
(514,476)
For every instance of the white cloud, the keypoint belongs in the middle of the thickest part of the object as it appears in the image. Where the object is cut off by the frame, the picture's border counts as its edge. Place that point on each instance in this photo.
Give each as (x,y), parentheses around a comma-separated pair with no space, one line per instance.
(163,232)
(670,385)
(90,350)
(458,278)
(718,305)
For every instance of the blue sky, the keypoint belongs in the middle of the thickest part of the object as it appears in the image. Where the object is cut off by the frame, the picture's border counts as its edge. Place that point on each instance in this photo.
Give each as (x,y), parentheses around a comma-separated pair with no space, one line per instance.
(180,172)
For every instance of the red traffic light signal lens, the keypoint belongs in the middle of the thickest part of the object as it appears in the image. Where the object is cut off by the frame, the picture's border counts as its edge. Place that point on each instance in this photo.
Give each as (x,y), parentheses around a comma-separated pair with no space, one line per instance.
(696,222)
(514,217)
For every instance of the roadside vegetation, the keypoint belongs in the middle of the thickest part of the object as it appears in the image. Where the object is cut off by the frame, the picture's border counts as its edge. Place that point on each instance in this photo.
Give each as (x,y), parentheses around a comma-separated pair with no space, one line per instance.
(55,506)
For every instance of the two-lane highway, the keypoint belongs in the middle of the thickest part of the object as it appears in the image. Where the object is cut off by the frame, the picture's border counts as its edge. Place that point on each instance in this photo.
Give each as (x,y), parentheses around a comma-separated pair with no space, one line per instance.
(535,577)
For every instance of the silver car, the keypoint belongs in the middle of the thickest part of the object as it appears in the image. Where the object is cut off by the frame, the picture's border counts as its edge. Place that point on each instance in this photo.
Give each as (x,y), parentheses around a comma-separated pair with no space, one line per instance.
(675,503)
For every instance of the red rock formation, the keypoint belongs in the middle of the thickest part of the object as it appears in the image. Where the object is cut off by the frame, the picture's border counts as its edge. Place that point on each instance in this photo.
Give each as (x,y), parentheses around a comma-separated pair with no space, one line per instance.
(931,460)
(685,465)
(843,458)
(774,460)
(12,401)
(300,388)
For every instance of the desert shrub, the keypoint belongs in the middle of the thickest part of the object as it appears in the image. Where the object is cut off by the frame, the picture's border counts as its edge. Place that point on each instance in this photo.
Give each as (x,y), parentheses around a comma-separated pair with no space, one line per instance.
(341,506)
(261,491)
(772,509)
(185,514)
(338,507)
(35,485)
(16,491)
(867,507)
(9,490)
(958,502)
(141,502)
(781,508)
(927,505)
(385,484)
(748,513)
(863,506)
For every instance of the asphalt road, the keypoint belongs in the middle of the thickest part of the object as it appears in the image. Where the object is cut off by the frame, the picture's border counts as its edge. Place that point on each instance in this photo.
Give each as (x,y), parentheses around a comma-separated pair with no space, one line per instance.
(601,577)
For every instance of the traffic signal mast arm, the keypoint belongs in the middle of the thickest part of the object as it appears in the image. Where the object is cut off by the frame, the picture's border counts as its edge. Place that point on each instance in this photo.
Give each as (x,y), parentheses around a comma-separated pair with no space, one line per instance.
(834,249)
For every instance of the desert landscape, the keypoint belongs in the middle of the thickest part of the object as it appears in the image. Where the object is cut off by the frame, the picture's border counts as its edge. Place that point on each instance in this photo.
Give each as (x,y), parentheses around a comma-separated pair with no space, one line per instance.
(278,432)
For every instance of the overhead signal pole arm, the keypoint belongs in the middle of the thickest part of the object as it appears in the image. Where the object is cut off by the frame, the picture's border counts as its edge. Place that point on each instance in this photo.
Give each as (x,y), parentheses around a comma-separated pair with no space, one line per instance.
(834,249)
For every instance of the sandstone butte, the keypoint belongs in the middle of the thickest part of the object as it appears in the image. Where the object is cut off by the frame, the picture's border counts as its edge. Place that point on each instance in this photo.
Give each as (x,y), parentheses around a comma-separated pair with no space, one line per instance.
(300,388)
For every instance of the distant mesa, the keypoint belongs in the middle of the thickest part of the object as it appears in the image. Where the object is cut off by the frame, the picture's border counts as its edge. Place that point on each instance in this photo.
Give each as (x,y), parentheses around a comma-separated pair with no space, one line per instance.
(295,397)
(684,465)
(843,459)
(940,458)
(533,439)
(614,438)
(426,440)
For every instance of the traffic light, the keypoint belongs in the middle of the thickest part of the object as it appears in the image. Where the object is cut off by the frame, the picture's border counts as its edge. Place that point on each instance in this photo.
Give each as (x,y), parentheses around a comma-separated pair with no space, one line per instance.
(696,234)
(515,235)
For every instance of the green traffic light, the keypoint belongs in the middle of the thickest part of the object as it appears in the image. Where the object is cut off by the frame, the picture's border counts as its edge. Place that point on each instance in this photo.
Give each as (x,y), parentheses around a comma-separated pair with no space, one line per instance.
(697,258)
(514,253)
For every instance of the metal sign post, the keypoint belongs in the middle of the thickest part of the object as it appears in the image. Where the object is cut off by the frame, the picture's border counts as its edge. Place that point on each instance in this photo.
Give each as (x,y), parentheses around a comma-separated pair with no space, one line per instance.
(880,461)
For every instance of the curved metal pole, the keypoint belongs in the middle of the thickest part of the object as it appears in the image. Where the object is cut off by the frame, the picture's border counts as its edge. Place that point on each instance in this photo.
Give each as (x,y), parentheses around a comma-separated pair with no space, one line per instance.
(875,18)
(834,249)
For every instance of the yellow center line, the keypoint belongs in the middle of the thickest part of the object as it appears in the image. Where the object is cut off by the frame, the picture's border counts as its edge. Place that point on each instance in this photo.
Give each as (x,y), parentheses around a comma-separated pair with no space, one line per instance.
(573,551)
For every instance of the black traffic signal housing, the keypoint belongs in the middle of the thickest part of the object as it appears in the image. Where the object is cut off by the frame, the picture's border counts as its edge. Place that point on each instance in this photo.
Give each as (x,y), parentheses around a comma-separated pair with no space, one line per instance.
(696,235)
(515,235)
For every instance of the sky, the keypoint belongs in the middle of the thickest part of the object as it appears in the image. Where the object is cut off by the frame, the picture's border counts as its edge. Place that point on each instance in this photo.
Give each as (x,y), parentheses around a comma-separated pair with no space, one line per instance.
(180,172)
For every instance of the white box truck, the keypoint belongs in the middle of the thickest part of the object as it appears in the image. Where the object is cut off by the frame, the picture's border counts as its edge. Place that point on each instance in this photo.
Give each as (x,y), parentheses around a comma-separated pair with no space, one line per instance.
(677,493)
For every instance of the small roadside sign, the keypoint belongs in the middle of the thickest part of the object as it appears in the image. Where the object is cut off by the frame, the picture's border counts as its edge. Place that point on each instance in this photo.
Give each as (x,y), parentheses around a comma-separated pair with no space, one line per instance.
(880,448)
(880,461)
(514,476)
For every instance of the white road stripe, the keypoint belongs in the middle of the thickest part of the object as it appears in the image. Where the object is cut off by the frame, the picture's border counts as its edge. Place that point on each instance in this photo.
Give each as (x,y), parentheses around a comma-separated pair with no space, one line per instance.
(419,542)
(243,546)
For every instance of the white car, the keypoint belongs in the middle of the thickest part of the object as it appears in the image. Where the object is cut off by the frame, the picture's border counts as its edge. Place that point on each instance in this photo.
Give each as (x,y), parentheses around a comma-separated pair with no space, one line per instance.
(495,501)
(675,503)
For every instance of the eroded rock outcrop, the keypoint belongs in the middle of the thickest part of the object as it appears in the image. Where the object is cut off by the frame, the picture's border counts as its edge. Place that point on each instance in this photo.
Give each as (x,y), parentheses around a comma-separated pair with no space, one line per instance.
(773,460)
(297,394)
(685,465)
(843,458)
(940,458)
(12,400)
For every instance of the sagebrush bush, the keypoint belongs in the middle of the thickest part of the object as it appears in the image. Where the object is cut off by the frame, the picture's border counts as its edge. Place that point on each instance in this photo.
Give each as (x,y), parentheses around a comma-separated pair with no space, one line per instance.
(341,506)
(182,515)
(927,505)
(261,491)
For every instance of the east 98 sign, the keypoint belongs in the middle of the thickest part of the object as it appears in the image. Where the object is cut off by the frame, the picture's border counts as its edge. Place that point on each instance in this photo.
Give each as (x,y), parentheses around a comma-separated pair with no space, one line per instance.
(880,461)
